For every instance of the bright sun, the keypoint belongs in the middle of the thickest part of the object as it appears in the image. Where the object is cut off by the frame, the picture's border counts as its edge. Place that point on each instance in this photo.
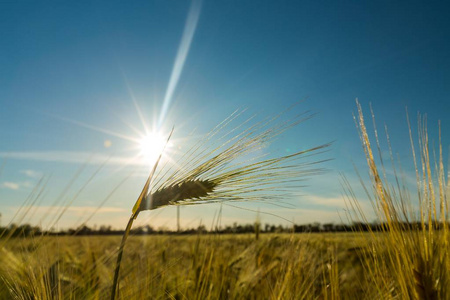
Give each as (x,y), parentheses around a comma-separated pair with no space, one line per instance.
(151,146)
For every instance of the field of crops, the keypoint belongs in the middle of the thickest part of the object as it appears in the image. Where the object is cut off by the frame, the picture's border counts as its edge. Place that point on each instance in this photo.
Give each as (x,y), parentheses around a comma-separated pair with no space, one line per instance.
(224,150)
(204,266)
(406,256)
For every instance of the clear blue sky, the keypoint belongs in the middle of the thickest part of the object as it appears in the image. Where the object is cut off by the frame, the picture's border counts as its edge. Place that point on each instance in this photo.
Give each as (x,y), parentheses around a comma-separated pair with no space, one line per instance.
(83,62)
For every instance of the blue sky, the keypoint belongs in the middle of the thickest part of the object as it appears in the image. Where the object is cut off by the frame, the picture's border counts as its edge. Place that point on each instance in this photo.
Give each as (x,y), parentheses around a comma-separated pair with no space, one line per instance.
(73,73)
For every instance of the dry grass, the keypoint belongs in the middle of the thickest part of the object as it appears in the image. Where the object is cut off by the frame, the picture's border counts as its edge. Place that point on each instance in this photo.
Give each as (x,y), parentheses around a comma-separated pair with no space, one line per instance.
(410,259)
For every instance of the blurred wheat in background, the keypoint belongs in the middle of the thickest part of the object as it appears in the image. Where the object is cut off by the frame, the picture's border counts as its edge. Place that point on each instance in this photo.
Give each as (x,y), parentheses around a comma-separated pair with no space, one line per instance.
(409,258)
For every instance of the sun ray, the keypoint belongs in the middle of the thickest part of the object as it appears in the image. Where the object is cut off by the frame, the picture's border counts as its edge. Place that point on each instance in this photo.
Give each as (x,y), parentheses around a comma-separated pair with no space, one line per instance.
(183,50)
(95,128)
(141,116)
(129,125)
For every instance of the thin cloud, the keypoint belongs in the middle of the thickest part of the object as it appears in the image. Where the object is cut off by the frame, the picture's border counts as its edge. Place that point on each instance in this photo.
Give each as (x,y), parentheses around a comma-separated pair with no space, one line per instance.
(71,157)
(78,211)
(17,185)
(10,185)
(32,173)
(91,209)
(327,202)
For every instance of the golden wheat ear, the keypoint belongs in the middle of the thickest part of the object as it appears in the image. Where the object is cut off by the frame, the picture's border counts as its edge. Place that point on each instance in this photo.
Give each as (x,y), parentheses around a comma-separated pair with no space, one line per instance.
(190,189)
(226,168)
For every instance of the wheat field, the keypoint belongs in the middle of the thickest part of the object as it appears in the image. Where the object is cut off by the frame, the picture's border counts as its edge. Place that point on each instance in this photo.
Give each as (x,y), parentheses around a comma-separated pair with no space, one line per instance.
(406,256)
(202,266)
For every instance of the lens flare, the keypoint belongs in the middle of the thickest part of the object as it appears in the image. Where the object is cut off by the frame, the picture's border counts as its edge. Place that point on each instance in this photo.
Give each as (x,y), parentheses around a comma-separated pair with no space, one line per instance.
(183,50)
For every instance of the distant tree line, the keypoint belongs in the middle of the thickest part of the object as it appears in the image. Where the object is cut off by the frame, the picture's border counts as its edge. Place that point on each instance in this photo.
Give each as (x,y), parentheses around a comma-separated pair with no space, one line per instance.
(28,230)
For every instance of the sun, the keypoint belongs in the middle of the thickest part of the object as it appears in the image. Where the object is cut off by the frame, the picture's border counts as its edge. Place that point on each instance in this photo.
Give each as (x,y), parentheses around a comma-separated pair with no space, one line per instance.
(151,146)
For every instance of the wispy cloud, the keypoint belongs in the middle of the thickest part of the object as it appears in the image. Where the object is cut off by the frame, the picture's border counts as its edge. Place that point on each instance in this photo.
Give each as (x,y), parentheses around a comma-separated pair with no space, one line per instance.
(70,157)
(16,185)
(10,185)
(81,210)
(32,173)
(328,202)
(76,210)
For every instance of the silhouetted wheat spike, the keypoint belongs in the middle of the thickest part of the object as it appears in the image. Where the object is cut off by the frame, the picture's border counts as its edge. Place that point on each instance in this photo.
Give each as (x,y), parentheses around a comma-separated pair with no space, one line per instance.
(192,189)
(225,166)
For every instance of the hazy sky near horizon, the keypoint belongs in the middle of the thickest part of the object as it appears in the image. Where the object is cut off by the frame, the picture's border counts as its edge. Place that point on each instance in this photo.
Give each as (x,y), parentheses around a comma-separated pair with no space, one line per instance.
(80,79)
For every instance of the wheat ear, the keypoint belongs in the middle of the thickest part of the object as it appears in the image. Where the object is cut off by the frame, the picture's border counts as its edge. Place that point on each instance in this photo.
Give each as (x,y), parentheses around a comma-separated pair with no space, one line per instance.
(229,171)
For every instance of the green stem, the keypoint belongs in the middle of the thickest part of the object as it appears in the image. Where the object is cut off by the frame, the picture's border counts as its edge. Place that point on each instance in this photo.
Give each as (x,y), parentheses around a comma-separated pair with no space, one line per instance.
(119,255)
(136,210)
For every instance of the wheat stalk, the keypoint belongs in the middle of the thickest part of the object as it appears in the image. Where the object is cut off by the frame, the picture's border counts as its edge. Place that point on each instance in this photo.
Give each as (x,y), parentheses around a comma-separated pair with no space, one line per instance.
(411,255)
(223,167)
